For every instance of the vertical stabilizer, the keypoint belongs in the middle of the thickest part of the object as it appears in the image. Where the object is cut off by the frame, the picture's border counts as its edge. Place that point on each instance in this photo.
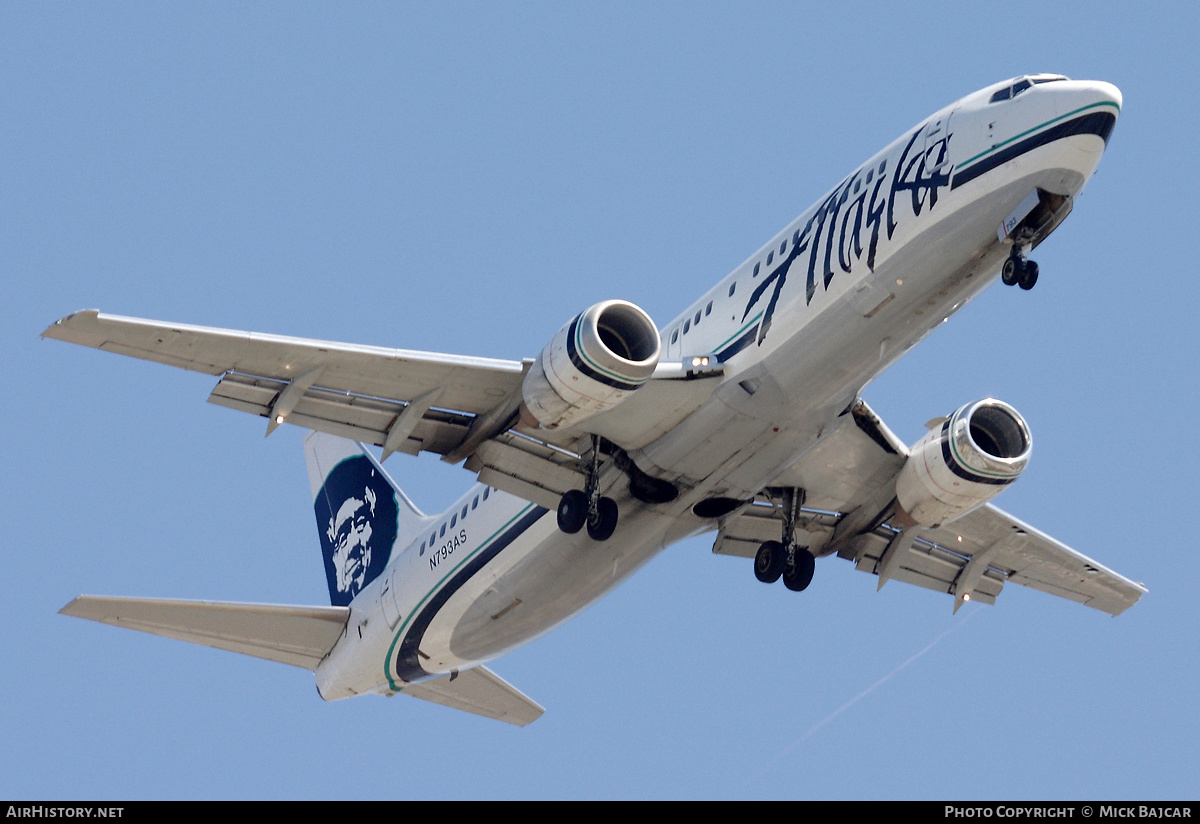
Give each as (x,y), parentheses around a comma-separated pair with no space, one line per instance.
(362,516)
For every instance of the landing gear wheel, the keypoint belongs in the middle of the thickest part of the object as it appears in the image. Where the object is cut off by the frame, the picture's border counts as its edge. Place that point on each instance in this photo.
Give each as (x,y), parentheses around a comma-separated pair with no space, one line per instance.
(799,575)
(602,526)
(1028,276)
(572,511)
(769,562)
(1011,271)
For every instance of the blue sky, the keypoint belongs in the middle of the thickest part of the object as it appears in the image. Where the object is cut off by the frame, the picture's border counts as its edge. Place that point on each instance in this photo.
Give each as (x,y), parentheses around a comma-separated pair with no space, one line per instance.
(466,177)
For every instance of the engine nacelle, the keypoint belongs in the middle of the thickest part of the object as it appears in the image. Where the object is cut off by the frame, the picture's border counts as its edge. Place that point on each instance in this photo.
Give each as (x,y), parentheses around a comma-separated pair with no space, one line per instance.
(593,363)
(964,463)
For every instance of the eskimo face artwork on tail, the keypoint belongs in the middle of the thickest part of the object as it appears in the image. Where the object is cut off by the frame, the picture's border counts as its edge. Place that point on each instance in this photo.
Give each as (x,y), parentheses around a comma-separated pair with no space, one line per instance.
(356,517)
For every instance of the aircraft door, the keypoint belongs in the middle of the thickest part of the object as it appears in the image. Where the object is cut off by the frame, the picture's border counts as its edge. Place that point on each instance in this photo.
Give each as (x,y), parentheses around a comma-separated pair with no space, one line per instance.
(937,144)
(387,599)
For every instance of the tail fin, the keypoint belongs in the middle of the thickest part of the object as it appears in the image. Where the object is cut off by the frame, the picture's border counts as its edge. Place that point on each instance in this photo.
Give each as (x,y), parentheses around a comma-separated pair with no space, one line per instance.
(361,514)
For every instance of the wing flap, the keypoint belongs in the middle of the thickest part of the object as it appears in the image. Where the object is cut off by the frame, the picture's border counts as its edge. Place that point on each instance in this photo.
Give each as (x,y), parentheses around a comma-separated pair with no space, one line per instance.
(743,532)
(975,555)
(482,692)
(345,414)
(528,469)
(296,635)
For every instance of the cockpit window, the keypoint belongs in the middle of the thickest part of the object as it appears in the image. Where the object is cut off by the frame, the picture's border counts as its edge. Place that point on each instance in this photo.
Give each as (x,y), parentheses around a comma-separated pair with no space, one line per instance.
(1023,84)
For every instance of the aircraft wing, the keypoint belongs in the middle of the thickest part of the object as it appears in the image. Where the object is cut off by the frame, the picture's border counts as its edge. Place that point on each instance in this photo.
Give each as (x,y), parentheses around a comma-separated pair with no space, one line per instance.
(359,392)
(479,691)
(401,400)
(853,469)
(296,635)
(971,558)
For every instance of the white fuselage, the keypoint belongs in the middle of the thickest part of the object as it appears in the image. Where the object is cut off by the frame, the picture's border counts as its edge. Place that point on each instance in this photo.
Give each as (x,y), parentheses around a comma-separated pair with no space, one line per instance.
(827,304)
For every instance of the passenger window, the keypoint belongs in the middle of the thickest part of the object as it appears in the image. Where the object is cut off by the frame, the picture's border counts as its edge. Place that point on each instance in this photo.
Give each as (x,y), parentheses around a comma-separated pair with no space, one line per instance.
(464,512)
(770,257)
(675,336)
(708,309)
(755,270)
(782,246)
(796,238)
(687,324)
(732,286)
(475,502)
(486,490)
(453,519)
(422,552)
(883,166)
(697,317)
(443,531)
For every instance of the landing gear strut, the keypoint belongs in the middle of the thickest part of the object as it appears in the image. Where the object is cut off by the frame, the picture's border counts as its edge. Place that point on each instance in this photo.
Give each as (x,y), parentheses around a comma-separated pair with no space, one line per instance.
(783,558)
(578,508)
(1019,270)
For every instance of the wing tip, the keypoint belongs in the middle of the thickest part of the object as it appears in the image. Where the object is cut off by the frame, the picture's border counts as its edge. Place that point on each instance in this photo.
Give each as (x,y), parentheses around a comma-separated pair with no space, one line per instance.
(57,329)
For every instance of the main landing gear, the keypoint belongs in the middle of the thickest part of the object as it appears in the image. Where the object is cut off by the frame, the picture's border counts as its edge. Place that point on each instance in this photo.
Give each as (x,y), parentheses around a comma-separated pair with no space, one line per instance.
(775,559)
(1019,270)
(578,508)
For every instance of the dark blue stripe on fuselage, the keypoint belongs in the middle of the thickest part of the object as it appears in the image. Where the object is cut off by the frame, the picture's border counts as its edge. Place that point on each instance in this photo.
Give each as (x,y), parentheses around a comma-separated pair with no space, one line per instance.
(1097,123)
(408,664)
(738,345)
(580,364)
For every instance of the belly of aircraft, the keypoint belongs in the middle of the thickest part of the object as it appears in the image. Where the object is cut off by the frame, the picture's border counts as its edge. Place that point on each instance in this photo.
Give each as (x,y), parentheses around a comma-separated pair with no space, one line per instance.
(556,576)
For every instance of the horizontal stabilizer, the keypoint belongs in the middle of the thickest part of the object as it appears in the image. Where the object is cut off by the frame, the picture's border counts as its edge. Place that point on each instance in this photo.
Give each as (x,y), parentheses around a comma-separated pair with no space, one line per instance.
(300,636)
(479,691)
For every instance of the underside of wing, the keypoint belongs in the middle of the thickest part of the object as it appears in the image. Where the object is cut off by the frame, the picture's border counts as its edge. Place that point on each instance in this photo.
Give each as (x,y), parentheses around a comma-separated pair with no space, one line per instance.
(479,691)
(973,556)
(850,464)
(400,399)
(296,635)
(849,478)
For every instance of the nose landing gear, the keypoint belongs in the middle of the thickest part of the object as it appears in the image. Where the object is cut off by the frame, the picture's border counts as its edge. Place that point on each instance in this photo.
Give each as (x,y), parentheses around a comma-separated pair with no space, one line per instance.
(1019,270)
(783,558)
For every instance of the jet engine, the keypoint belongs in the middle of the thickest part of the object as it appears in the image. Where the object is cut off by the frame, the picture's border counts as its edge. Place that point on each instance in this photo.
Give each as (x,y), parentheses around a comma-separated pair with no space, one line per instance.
(963,463)
(593,363)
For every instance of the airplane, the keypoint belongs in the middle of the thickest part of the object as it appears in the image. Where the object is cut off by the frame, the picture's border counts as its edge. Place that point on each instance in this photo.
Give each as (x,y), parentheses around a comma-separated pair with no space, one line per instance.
(743,416)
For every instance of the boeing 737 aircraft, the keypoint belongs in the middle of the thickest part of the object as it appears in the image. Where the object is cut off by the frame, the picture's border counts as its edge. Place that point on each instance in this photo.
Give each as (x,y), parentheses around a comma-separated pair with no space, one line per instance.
(742,416)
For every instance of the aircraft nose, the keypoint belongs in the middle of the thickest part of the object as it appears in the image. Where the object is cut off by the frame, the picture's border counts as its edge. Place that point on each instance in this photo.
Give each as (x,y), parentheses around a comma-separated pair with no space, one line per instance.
(1083,94)
(1106,93)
